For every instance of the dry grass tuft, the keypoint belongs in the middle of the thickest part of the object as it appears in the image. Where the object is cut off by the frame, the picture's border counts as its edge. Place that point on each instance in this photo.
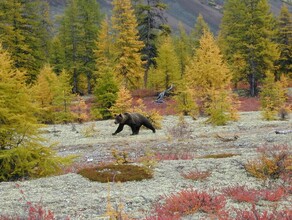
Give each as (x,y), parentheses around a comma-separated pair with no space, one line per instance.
(218,156)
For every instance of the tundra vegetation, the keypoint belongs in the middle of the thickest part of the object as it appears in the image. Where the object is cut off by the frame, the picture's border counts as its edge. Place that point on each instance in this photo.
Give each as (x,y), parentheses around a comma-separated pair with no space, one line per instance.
(85,66)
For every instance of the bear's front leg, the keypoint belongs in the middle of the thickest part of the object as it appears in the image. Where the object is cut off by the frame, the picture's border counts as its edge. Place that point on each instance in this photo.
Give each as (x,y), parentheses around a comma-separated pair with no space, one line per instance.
(119,129)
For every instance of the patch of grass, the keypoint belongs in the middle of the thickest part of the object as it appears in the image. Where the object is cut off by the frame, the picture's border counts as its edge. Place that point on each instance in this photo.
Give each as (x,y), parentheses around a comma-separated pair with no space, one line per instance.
(116,173)
(217,156)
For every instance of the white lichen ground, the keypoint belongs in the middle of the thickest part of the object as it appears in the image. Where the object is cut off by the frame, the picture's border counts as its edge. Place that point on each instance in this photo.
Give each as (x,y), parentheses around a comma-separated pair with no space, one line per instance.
(78,198)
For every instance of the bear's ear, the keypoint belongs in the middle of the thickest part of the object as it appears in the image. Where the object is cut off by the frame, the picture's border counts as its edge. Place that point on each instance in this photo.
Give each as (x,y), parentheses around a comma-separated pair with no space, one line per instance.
(120,115)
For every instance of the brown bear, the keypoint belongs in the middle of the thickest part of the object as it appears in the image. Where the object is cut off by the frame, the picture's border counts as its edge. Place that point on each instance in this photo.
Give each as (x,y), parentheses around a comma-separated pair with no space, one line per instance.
(134,120)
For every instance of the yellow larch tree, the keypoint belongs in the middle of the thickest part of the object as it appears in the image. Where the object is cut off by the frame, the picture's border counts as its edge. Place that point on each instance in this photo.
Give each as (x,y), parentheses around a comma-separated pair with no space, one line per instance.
(22,154)
(128,63)
(123,103)
(17,119)
(44,92)
(209,78)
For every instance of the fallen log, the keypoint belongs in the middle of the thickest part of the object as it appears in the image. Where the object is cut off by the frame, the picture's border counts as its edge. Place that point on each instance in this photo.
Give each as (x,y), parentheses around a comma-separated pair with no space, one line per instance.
(226,139)
(283,132)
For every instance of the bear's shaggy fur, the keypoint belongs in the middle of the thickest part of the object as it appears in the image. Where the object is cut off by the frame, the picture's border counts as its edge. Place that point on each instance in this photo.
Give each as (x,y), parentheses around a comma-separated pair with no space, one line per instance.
(134,120)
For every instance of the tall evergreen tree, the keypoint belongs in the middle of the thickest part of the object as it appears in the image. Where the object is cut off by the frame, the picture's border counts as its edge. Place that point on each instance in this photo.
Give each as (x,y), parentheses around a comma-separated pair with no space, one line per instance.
(183,48)
(78,32)
(24,30)
(128,66)
(106,85)
(57,55)
(17,122)
(284,40)
(151,24)
(44,92)
(167,71)
(197,32)
(246,39)
(63,99)
(209,79)
(104,49)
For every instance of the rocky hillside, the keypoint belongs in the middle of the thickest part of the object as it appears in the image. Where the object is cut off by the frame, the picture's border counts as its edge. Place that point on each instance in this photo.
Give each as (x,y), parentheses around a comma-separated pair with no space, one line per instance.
(185,11)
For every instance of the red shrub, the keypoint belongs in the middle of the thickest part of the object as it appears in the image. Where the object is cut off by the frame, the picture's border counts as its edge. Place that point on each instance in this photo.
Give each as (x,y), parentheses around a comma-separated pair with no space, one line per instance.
(253,214)
(187,202)
(273,195)
(38,212)
(242,194)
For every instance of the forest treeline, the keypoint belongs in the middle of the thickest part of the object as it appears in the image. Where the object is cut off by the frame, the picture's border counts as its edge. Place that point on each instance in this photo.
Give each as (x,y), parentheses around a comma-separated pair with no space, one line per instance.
(43,66)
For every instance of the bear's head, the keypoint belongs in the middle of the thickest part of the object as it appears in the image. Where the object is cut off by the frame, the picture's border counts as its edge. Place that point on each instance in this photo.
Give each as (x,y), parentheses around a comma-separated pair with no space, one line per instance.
(119,118)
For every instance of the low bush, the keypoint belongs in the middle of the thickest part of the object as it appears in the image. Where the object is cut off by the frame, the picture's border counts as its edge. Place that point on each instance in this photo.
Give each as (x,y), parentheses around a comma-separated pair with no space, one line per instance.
(30,162)
(254,214)
(272,163)
(116,173)
(244,194)
(182,130)
(188,202)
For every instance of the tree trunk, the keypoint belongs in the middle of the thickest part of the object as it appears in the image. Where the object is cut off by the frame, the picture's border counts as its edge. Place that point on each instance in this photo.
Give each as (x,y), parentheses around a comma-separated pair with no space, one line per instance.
(252,85)
(75,81)
(89,88)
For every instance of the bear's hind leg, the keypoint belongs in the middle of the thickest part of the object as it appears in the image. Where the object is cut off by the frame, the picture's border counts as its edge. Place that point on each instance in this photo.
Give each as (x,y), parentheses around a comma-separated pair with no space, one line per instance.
(135,130)
(149,126)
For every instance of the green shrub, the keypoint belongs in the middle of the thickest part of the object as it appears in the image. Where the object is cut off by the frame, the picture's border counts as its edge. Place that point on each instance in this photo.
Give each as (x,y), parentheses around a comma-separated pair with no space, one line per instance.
(30,162)
(273,96)
(116,173)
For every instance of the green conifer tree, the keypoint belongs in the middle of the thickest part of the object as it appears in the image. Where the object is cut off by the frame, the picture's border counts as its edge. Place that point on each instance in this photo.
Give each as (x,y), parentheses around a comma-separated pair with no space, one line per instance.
(25,32)
(273,96)
(246,39)
(77,33)
(183,48)
(168,71)
(151,24)
(57,55)
(106,87)
(284,40)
